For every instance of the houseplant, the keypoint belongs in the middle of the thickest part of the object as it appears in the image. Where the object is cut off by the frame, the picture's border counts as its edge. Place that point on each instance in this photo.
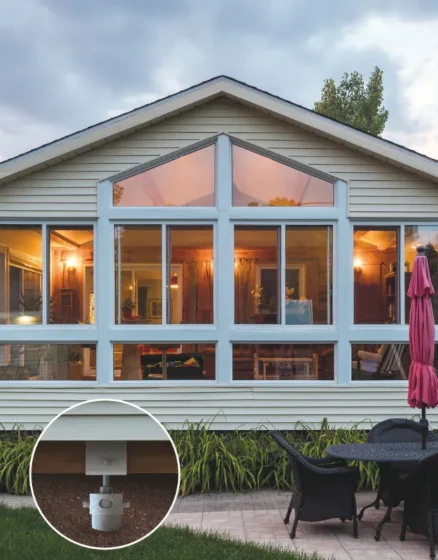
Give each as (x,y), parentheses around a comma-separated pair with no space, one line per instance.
(75,366)
(127,308)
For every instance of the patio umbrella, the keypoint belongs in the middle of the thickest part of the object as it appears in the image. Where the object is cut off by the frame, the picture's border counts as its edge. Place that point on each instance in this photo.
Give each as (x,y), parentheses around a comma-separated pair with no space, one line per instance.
(423,383)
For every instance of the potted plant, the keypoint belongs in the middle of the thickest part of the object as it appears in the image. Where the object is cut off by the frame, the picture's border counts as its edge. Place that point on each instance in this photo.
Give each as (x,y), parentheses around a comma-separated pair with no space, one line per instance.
(75,367)
(127,308)
(260,301)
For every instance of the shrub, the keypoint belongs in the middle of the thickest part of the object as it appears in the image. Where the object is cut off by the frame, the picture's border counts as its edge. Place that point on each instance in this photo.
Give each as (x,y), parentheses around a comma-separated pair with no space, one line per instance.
(237,460)
(15,452)
(211,461)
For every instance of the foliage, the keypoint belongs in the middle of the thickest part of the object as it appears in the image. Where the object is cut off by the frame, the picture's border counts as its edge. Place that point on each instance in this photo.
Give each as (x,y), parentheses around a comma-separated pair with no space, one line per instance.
(213,461)
(237,460)
(23,528)
(128,305)
(282,201)
(15,452)
(353,103)
(74,353)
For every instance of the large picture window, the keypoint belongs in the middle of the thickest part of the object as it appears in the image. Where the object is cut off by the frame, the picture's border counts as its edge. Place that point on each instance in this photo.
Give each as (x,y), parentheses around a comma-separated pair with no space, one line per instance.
(376,275)
(184,181)
(283,362)
(47,362)
(262,181)
(185,278)
(21,269)
(307,294)
(427,236)
(164,361)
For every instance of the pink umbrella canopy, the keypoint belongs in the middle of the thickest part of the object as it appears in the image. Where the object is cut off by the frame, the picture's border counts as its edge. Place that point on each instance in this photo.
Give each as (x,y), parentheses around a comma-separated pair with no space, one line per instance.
(423,382)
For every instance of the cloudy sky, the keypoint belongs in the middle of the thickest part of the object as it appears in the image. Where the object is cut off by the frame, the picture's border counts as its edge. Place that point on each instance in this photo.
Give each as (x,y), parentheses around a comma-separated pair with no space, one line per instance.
(67,64)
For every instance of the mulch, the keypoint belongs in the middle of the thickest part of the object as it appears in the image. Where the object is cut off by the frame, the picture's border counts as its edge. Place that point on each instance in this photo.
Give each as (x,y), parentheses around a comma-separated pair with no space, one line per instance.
(60,498)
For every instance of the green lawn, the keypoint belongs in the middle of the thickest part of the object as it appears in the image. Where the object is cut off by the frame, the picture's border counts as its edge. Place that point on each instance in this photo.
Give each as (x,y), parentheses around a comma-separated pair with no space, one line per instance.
(25,536)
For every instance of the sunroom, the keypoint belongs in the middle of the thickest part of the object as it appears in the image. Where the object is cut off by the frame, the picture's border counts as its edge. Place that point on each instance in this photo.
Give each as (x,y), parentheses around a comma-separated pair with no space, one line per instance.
(220,247)
(219,260)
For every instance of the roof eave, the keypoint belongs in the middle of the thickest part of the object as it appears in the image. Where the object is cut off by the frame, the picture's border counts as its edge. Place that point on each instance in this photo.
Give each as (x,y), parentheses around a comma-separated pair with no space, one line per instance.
(203,93)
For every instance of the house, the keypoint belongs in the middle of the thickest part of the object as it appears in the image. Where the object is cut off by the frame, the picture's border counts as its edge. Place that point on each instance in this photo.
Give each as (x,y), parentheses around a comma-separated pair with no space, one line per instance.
(218,253)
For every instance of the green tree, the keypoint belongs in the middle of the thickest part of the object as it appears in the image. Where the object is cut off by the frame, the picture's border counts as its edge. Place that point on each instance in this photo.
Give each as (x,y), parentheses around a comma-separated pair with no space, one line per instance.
(354,103)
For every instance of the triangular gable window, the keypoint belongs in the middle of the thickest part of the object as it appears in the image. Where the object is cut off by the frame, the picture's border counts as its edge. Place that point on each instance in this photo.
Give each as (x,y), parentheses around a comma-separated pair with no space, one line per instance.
(185,181)
(261,181)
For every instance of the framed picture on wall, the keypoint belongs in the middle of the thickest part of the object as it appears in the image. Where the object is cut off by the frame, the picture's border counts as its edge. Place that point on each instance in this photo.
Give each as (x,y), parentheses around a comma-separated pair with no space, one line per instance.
(155,308)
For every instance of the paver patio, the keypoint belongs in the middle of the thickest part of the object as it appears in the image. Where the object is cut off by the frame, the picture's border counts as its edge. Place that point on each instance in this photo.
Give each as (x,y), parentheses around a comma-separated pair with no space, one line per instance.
(258,516)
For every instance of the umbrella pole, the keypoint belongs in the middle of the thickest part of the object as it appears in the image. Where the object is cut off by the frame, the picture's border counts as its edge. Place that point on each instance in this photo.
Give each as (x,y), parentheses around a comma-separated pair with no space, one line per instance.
(425,425)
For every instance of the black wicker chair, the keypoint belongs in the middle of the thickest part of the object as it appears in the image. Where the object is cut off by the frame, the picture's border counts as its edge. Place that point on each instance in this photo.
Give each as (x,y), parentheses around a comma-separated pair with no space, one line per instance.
(421,501)
(324,488)
(392,476)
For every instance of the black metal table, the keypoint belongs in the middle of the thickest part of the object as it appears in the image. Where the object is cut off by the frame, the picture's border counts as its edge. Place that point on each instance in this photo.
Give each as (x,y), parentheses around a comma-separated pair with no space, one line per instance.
(382,453)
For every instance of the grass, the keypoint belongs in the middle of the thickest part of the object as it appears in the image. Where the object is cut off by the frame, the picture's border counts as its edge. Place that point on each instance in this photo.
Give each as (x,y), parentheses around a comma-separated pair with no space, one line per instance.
(212,461)
(24,535)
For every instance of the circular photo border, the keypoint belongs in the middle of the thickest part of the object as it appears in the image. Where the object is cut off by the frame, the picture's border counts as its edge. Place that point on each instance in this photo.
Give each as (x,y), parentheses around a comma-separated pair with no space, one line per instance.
(119,401)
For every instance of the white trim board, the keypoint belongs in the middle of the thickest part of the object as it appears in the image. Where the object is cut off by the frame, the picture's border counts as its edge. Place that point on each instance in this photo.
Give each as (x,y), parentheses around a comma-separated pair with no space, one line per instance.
(220,86)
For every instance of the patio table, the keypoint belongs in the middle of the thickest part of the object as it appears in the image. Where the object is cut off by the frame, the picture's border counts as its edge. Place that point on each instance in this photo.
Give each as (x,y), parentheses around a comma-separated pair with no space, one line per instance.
(411,452)
(382,452)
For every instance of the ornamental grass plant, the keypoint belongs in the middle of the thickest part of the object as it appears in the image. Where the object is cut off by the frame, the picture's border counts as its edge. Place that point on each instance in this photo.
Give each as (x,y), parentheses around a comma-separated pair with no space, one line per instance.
(212,461)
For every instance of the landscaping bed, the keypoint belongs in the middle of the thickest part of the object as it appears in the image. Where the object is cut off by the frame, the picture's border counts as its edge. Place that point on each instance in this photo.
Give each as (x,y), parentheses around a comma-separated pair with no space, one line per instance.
(60,498)
(215,461)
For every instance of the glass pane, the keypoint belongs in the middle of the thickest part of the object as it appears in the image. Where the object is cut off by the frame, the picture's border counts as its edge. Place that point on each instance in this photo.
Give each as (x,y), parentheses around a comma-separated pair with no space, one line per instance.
(21,266)
(375,275)
(71,276)
(168,361)
(185,181)
(48,362)
(256,279)
(294,362)
(428,237)
(190,271)
(308,275)
(261,181)
(138,297)
(382,361)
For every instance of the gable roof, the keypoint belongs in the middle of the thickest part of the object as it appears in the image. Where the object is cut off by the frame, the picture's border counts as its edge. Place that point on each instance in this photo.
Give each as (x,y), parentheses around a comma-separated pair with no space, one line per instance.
(103,132)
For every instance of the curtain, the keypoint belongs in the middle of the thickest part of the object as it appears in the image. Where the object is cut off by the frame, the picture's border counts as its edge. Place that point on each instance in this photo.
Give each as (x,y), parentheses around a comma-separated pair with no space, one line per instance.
(244,283)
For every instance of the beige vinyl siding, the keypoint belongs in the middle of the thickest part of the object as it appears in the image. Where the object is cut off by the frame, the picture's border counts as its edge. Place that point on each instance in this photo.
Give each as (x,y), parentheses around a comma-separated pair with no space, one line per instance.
(69,188)
(230,407)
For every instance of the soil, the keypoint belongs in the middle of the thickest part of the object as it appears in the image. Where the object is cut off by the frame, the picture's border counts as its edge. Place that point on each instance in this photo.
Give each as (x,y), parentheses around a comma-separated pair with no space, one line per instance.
(60,498)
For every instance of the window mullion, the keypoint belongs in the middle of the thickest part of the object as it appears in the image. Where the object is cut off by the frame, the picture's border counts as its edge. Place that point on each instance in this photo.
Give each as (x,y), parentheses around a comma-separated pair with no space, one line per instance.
(45,277)
(282,260)
(165,316)
(401,272)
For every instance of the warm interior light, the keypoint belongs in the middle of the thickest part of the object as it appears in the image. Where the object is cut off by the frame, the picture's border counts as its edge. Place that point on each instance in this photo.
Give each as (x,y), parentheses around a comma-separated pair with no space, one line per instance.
(174,281)
(25,319)
(71,262)
(357,264)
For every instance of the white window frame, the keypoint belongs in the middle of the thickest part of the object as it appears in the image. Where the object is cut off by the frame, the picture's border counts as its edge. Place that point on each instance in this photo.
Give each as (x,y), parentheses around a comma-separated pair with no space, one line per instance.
(47,333)
(382,333)
(223,217)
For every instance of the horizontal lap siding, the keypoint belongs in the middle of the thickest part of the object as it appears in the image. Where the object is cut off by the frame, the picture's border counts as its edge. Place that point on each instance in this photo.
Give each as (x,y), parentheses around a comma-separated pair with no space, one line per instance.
(68,189)
(227,407)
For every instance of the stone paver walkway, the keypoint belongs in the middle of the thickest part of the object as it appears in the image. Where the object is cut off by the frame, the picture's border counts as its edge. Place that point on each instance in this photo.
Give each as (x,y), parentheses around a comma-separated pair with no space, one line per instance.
(258,517)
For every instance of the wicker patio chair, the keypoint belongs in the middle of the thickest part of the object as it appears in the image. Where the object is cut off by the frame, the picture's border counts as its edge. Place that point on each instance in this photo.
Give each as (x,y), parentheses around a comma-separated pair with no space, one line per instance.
(420,513)
(392,476)
(324,488)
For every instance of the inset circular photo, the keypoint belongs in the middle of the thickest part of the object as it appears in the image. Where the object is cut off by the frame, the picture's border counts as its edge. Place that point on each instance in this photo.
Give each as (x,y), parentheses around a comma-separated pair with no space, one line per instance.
(104,474)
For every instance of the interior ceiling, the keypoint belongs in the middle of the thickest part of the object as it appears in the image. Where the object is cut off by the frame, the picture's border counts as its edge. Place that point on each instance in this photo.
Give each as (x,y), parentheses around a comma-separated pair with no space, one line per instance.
(71,238)
(380,240)
(180,237)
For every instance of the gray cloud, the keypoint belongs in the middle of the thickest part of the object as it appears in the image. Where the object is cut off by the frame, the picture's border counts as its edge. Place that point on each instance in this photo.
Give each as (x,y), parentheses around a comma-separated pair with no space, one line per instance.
(66,65)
